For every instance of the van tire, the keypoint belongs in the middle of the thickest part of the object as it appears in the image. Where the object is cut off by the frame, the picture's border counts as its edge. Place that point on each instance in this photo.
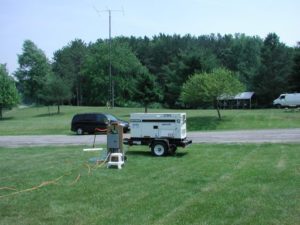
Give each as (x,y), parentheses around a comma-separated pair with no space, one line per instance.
(159,149)
(79,131)
(278,106)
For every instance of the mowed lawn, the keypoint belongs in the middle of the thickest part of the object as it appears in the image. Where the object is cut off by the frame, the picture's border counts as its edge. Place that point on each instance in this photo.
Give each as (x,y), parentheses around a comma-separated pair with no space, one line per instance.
(41,120)
(203,184)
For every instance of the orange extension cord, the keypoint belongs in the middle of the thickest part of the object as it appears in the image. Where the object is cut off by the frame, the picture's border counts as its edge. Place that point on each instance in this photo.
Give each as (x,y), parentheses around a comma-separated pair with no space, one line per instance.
(46,183)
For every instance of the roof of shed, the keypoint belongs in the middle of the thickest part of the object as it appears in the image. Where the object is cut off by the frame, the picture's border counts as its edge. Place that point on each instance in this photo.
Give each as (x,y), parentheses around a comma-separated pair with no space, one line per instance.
(240,96)
(244,95)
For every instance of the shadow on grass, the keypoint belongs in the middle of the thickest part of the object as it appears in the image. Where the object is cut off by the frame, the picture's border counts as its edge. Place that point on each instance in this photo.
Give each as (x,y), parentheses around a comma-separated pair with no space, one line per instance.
(139,153)
(49,114)
(149,154)
(199,123)
(125,115)
(6,118)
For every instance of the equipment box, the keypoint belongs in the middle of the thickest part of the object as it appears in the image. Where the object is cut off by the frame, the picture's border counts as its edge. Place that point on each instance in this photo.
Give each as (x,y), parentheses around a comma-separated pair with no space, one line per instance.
(167,129)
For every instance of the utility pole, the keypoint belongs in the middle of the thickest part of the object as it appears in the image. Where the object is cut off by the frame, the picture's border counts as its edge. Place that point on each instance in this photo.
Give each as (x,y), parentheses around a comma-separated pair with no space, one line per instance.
(111,80)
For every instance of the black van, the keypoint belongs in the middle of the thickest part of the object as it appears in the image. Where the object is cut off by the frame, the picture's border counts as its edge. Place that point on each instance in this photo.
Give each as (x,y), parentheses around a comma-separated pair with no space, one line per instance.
(91,122)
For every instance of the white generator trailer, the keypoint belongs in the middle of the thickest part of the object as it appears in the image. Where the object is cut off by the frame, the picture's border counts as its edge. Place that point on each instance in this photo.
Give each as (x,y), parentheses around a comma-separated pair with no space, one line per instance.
(162,132)
(288,100)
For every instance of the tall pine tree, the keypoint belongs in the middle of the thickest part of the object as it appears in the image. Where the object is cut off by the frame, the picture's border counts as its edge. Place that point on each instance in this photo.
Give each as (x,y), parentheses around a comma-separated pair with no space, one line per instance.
(295,76)
(272,79)
(147,90)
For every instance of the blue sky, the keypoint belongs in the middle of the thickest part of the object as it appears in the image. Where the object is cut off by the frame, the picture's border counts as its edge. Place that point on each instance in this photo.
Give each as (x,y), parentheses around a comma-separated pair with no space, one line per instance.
(52,24)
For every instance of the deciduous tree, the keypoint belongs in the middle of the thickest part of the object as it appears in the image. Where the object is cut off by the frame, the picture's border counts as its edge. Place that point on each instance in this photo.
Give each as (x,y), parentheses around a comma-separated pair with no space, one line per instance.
(125,69)
(55,91)
(33,68)
(208,87)
(8,92)
(68,64)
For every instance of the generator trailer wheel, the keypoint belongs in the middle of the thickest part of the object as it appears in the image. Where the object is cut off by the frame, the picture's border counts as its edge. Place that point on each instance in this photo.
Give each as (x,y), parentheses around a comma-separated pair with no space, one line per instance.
(79,131)
(159,149)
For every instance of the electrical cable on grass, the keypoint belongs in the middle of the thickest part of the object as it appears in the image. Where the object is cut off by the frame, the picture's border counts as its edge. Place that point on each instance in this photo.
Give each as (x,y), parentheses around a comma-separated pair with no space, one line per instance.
(76,180)
(8,188)
(46,183)
(101,164)
(43,184)
(89,168)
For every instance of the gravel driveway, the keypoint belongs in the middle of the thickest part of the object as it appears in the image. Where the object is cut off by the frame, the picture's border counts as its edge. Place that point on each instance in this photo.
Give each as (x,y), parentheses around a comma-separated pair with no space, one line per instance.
(245,136)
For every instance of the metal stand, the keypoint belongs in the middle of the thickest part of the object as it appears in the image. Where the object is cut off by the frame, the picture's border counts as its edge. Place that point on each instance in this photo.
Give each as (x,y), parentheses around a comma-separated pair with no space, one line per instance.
(115,145)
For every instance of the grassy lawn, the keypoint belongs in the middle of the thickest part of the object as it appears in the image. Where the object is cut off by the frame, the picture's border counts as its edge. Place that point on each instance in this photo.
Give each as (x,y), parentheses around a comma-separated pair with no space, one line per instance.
(204,184)
(38,121)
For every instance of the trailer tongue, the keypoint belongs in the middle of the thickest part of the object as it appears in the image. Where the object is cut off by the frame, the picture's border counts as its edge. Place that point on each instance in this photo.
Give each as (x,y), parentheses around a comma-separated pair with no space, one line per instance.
(162,132)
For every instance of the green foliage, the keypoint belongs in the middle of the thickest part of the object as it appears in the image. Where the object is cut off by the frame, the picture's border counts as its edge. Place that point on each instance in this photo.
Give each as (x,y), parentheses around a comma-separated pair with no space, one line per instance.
(147,90)
(246,58)
(125,68)
(33,68)
(275,69)
(264,66)
(172,59)
(68,64)
(208,87)
(56,90)
(177,72)
(295,76)
(8,92)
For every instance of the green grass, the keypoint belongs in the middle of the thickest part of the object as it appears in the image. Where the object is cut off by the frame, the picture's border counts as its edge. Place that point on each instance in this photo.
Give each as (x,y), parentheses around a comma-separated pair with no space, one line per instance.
(204,184)
(37,120)
(243,119)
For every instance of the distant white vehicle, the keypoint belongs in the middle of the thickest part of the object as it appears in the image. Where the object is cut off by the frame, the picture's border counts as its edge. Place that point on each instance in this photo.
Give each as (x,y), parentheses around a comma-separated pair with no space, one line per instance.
(287,100)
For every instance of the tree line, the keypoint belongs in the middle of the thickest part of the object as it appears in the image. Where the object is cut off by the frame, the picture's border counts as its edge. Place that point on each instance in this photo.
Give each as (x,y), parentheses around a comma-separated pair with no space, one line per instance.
(154,70)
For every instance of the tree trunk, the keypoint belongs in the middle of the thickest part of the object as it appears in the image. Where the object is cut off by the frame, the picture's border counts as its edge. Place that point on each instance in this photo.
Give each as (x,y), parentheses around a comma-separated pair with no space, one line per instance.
(58,108)
(77,95)
(146,108)
(218,109)
(0,112)
(219,114)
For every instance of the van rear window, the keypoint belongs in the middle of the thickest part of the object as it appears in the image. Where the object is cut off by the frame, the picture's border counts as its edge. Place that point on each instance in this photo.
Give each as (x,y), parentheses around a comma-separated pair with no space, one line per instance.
(101,118)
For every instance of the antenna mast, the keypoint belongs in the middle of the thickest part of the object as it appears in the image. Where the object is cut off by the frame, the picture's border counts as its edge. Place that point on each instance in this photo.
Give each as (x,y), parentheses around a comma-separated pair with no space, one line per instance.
(111,80)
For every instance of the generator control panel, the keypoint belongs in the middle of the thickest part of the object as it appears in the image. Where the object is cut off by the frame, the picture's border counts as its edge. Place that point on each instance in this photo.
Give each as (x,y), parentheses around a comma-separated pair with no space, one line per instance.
(115,138)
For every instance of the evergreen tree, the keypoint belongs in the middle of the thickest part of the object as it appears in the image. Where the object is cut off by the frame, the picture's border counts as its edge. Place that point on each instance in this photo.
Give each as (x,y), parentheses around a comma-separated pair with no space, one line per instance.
(177,72)
(273,76)
(294,81)
(147,90)
(246,58)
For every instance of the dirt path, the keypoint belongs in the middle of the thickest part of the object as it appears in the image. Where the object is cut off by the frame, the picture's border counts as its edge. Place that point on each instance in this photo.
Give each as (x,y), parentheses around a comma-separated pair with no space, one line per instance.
(246,136)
